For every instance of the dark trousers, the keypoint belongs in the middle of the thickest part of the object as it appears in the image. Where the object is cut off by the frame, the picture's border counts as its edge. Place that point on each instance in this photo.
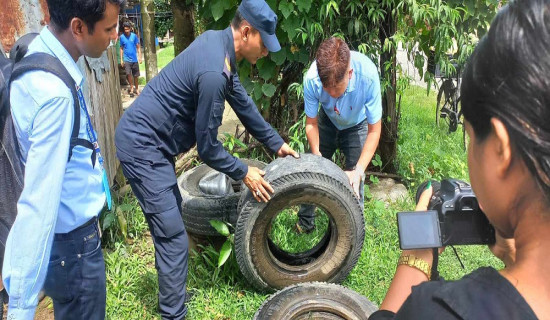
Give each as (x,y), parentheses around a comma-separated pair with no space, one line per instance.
(350,142)
(76,274)
(154,185)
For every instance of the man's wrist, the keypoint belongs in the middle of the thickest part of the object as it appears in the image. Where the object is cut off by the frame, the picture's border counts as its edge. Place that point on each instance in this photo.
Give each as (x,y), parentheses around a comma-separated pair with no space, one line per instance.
(359,168)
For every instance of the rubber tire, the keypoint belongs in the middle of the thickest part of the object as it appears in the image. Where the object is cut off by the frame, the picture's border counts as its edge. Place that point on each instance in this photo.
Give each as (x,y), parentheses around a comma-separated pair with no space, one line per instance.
(315,300)
(199,208)
(310,179)
(438,106)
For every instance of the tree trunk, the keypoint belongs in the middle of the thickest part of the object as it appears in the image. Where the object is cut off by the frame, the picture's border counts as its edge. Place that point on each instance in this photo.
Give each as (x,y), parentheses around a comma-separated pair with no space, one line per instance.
(184,24)
(390,116)
(149,48)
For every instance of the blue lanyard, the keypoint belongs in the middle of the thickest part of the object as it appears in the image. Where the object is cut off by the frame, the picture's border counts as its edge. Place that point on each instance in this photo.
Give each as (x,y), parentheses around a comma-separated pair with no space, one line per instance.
(89,128)
(93,139)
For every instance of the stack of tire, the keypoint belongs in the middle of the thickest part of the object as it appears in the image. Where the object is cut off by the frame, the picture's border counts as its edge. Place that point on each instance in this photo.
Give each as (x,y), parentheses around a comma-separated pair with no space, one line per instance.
(309,179)
(199,206)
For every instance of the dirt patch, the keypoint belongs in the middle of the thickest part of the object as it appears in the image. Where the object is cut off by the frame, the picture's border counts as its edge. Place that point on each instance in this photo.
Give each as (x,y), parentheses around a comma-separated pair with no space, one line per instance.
(44,311)
(229,122)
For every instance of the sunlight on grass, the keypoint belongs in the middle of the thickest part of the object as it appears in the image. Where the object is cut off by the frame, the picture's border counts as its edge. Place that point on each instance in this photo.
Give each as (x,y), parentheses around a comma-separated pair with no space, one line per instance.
(164,57)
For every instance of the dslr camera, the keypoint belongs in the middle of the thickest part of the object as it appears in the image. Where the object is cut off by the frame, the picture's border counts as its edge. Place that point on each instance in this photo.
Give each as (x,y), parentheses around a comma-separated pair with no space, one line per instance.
(453,218)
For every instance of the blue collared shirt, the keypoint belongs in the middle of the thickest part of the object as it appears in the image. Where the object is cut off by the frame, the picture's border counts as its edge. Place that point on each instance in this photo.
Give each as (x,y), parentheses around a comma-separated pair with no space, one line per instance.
(58,196)
(360,101)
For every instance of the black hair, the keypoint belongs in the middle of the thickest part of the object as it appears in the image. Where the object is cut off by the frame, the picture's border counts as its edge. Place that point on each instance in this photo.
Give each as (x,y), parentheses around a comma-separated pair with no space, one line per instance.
(90,11)
(508,78)
(237,19)
(127,24)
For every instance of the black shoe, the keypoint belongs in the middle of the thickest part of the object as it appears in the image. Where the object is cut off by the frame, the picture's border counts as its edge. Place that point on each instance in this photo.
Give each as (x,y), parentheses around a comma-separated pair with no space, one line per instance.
(302,230)
(189,294)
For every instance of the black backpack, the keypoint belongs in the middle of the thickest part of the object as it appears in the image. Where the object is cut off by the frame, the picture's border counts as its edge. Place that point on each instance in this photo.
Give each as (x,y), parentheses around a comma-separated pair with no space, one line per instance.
(11,168)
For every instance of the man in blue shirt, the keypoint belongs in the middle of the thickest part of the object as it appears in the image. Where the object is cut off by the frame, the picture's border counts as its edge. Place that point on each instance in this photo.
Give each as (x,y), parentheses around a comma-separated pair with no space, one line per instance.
(347,87)
(130,57)
(55,242)
(181,107)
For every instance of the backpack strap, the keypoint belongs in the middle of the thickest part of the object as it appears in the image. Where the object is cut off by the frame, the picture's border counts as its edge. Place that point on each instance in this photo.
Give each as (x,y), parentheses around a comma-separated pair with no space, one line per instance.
(20,47)
(49,63)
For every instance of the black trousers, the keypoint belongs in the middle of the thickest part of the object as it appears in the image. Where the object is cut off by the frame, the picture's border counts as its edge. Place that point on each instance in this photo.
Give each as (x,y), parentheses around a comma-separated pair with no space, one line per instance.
(154,185)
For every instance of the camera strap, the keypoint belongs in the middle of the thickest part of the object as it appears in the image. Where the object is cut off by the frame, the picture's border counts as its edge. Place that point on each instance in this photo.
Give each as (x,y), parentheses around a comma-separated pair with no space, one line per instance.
(435,273)
(456,254)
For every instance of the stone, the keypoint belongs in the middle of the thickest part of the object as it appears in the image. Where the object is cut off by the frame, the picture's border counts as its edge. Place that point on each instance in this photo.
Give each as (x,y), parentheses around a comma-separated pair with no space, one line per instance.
(387,190)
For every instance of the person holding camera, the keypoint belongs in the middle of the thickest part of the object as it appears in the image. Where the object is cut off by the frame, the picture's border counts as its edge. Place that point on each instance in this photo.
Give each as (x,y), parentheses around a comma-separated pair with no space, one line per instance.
(506,102)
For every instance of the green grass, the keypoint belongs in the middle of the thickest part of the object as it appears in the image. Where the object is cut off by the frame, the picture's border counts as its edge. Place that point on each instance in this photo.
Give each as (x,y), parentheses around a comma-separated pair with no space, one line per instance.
(283,230)
(431,151)
(163,58)
(225,294)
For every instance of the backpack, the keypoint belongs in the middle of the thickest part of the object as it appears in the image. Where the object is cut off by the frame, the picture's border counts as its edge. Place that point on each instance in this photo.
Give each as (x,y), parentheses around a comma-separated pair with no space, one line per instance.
(11,167)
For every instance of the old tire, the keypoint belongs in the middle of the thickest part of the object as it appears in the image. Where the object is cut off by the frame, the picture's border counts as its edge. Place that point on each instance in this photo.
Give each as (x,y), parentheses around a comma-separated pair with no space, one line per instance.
(199,208)
(313,180)
(316,300)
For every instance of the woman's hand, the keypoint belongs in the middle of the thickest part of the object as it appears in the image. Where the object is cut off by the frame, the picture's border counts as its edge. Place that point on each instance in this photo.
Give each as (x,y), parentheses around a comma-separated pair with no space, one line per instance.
(422,205)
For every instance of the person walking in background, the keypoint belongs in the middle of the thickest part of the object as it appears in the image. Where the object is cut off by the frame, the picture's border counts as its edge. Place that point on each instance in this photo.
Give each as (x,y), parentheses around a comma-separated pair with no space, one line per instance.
(130,57)
(55,240)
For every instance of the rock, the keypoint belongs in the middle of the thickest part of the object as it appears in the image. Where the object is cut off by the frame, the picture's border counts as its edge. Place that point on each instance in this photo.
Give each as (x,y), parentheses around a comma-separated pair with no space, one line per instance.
(388,191)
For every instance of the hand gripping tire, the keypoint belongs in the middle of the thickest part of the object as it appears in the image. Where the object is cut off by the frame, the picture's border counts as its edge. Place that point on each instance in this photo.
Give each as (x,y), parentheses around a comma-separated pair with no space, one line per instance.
(315,300)
(312,180)
(199,208)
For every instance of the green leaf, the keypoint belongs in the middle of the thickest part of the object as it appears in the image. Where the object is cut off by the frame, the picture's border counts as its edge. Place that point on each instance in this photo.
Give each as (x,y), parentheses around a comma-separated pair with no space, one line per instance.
(108,220)
(247,84)
(286,8)
(257,91)
(303,5)
(240,143)
(126,207)
(290,26)
(225,252)
(217,8)
(278,57)
(122,223)
(267,70)
(220,226)
(268,89)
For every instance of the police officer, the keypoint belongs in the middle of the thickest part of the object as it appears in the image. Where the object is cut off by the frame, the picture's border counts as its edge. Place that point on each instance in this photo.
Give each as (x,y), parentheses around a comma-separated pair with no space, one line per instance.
(182,106)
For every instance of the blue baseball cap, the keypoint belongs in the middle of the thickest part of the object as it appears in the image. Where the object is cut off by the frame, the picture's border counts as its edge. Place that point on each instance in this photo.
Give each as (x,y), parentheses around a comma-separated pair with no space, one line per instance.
(262,18)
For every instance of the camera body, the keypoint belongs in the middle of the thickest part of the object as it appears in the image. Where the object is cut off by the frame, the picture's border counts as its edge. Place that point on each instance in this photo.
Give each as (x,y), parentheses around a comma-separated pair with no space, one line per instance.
(454,218)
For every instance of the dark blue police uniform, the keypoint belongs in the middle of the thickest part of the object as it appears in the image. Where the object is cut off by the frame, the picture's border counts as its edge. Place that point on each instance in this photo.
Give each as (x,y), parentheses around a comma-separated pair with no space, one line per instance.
(182,106)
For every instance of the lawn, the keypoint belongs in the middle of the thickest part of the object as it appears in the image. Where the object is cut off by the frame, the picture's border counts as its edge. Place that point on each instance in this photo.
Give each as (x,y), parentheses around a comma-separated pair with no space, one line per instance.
(164,56)
(424,151)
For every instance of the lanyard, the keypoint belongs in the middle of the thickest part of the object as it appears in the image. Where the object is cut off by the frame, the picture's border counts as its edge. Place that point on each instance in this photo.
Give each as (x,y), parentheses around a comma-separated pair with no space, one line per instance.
(93,139)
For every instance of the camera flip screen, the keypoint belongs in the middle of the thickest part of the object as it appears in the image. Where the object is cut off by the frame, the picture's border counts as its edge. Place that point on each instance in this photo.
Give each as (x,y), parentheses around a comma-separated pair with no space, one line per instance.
(418,230)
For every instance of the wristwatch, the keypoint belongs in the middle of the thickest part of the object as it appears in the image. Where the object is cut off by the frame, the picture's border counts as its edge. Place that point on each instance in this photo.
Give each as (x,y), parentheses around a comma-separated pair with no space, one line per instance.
(415,262)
